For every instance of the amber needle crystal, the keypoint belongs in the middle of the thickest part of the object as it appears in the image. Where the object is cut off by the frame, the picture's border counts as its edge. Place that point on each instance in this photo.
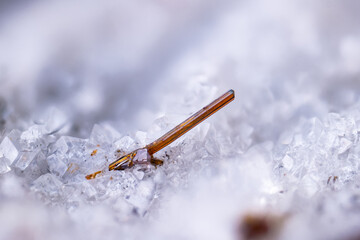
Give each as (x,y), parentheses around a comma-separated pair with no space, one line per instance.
(137,156)
(190,123)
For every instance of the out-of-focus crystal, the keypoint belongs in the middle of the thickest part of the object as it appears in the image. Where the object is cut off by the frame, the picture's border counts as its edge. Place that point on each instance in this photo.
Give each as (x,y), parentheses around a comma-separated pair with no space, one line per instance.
(26,157)
(54,120)
(344,145)
(309,185)
(138,172)
(14,136)
(100,135)
(60,147)
(32,138)
(142,196)
(56,165)
(47,184)
(313,129)
(4,166)
(321,154)
(87,189)
(288,162)
(125,144)
(141,138)
(8,150)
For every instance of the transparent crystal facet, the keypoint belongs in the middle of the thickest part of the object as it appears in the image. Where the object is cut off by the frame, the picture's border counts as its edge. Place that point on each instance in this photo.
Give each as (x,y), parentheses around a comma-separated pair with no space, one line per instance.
(125,144)
(101,135)
(8,150)
(56,165)
(47,184)
(344,145)
(33,138)
(26,157)
(4,165)
(142,156)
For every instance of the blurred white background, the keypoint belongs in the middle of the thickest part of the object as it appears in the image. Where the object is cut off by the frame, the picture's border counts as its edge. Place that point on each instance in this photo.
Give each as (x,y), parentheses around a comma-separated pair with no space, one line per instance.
(130,62)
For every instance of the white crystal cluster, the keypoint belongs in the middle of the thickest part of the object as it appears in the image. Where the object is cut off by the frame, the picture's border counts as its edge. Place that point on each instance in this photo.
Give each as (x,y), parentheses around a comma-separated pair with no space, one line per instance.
(320,153)
(317,167)
(83,83)
(53,167)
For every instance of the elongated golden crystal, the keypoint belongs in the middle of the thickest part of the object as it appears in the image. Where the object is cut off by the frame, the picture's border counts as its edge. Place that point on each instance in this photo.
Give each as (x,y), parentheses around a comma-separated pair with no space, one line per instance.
(190,123)
(144,155)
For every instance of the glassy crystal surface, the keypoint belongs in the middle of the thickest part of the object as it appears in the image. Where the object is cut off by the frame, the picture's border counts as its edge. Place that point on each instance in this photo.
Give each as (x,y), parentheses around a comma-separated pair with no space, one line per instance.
(311,163)
(142,196)
(33,138)
(8,150)
(4,165)
(84,82)
(56,165)
(102,135)
(25,158)
(142,156)
(125,144)
(320,154)
(54,120)
(47,185)
(14,136)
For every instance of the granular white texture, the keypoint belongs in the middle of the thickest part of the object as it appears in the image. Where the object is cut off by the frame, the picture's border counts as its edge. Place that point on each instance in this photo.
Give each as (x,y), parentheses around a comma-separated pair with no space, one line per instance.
(83,83)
